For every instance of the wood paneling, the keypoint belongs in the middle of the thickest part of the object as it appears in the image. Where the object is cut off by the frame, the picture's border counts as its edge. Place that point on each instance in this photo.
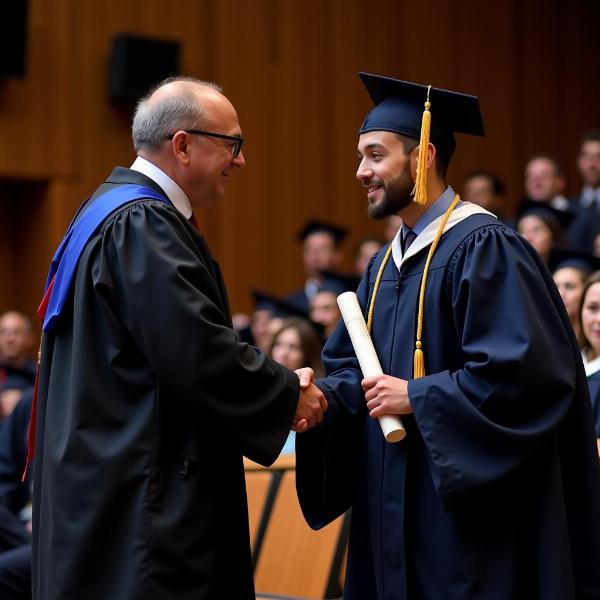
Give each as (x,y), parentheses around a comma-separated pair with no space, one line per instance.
(290,68)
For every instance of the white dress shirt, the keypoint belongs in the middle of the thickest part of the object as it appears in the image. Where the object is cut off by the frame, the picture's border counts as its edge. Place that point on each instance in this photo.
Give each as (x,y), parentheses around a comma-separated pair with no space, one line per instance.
(174,192)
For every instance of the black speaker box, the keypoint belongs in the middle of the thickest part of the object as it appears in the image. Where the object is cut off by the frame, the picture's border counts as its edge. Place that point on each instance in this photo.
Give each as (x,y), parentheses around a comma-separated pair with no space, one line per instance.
(13,38)
(138,63)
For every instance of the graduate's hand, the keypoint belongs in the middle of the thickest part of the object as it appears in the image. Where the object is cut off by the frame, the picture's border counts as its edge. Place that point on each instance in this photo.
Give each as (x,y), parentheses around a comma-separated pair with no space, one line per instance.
(312,403)
(386,395)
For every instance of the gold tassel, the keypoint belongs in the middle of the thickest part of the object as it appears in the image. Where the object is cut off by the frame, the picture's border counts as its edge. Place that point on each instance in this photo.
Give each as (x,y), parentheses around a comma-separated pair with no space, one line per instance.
(419,362)
(420,189)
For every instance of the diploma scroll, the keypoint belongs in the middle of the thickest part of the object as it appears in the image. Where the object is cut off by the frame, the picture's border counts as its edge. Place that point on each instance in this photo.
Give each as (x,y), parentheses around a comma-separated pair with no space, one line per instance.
(391,425)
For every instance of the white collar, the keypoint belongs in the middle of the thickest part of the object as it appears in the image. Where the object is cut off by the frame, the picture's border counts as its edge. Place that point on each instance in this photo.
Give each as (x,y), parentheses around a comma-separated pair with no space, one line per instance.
(426,237)
(592,366)
(174,192)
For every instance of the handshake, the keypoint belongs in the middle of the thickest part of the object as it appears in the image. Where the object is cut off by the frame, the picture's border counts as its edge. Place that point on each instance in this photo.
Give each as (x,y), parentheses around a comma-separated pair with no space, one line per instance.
(311,404)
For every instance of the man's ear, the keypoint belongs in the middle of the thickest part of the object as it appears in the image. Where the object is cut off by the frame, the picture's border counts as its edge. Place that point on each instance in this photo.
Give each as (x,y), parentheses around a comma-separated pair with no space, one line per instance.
(180,147)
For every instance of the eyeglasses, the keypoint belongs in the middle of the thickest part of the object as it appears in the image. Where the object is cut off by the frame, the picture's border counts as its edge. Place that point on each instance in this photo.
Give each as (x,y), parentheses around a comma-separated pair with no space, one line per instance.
(236,139)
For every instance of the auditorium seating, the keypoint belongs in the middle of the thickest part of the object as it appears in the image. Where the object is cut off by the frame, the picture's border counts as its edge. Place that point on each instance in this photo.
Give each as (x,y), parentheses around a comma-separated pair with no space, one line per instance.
(290,559)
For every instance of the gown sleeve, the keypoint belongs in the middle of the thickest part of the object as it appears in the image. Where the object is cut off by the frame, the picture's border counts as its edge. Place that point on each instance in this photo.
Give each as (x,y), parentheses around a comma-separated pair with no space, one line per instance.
(482,421)
(160,284)
(327,456)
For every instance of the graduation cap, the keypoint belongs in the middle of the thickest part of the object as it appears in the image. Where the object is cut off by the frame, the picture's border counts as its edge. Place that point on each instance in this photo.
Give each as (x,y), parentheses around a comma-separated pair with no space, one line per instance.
(277,306)
(574,259)
(424,113)
(557,220)
(339,282)
(315,226)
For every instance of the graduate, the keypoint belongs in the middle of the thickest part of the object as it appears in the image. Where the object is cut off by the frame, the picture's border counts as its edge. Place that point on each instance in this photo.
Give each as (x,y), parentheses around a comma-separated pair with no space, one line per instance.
(494,492)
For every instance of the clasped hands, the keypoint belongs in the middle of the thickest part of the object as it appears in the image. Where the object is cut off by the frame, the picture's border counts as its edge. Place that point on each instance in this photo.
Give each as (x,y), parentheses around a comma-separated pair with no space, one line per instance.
(311,404)
(385,395)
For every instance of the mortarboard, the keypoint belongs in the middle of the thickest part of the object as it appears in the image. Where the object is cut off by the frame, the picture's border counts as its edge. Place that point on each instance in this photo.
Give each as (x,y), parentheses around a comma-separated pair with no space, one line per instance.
(404,107)
(277,306)
(339,282)
(316,226)
(574,259)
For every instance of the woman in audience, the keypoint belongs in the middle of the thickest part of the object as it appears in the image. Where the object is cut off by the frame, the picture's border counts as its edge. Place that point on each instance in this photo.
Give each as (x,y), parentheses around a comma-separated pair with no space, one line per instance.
(570,270)
(543,227)
(590,341)
(297,344)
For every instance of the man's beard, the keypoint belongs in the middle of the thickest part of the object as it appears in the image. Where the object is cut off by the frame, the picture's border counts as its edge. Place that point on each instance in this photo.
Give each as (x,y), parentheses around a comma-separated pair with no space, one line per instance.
(397,195)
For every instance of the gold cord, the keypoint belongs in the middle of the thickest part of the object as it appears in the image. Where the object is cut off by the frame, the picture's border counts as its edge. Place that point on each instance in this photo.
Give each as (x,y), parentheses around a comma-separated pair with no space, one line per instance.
(419,359)
(376,287)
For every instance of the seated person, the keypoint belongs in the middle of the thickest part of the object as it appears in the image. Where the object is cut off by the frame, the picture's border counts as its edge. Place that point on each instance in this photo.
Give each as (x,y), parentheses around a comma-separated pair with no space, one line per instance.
(365,251)
(15,504)
(486,189)
(17,369)
(570,270)
(297,344)
(321,251)
(324,309)
(590,341)
(543,227)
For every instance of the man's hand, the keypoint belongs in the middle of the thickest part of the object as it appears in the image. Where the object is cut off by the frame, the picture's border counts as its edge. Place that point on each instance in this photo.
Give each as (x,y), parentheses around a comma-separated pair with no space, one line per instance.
(312,403)
(386,395)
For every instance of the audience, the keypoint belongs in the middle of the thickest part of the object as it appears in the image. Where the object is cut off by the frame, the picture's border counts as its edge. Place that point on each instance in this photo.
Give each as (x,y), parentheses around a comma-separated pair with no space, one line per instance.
(588,163)
(15,504)
(570,270)
(297,344)
(365,251)
(584,230)
(17,368)
(321,251)
(543,227)
(545,182)
(486,189)
(324,309)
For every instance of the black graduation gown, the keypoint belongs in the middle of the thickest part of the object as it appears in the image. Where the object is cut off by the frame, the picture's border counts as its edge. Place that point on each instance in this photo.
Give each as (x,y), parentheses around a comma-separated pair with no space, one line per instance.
(494,492)
(147,404)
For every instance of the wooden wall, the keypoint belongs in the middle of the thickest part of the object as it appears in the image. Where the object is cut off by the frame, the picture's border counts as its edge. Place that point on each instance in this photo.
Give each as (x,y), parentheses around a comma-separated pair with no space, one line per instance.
(290,68)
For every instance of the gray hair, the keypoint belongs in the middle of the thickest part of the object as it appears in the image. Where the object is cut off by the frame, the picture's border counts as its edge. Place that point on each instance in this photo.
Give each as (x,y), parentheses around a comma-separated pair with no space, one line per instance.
(153,122)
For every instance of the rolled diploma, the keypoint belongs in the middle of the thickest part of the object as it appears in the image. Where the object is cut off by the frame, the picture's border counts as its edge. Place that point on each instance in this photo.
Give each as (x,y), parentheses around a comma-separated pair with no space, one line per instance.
(391,425)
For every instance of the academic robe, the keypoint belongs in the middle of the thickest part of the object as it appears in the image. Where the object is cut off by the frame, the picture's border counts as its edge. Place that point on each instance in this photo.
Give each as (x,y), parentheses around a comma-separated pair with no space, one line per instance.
(494,492)
(147,403)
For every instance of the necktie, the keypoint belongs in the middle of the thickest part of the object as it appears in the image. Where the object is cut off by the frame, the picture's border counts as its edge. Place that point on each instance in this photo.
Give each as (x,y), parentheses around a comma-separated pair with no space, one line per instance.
(407,240)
